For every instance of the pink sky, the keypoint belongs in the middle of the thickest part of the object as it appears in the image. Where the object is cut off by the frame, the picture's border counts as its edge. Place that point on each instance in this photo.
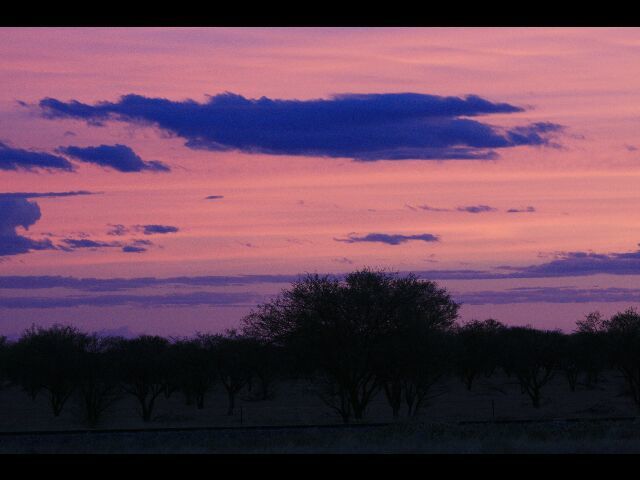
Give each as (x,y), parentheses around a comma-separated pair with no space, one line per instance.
(281,214)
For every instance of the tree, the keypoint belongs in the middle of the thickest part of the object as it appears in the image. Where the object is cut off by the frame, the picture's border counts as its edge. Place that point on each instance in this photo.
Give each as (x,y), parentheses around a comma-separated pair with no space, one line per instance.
(98,382)
(336,328)
(591,339)
(49,359)
(193,369)
(143,369)
(533,356)
(230,354)
(623,332)
(5,355)
(477,347)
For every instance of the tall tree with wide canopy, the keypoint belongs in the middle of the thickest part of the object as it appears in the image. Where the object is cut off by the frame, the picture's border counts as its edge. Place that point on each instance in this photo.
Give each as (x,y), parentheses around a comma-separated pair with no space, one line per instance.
(337,328)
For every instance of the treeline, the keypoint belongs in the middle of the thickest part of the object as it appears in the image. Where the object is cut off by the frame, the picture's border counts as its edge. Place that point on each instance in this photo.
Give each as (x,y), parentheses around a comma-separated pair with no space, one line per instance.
(372,333)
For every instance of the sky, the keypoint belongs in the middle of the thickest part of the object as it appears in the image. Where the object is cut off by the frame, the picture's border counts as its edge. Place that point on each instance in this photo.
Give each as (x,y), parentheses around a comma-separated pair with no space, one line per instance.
(166,180)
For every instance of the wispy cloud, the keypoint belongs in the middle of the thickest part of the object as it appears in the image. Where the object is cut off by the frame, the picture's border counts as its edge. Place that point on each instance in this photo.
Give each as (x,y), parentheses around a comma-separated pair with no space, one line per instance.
(389,239)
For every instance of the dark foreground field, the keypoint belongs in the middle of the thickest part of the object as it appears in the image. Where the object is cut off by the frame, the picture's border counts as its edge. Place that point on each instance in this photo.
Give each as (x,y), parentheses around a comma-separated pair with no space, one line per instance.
(552,437)
(597,419)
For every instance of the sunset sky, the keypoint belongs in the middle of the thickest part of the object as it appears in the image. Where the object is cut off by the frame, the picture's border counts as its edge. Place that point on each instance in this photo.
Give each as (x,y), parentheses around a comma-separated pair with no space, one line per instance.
(165,180)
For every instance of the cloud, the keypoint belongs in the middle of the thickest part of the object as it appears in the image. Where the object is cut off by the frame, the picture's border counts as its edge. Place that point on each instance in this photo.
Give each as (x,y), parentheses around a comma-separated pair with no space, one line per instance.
(110,300)
(116,284)
(20,159)
(549,295)
(119,157)
(79,243)
(389,239)
(364,127)
(45,194)
(580,264)
(521,210)
(158,229)
(476,209)
(117,230)
(18,212)
(133,249)
(432,209)
(214,197)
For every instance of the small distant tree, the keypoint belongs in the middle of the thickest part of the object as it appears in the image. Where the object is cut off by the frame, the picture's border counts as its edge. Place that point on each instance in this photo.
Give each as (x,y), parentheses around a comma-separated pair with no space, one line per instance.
(592,345)
(231,355)
(623,332)
(143,369)
(49,359)
(98,382)
(5,352)
(477,349)
(193,369)
(267,365)
(533,356)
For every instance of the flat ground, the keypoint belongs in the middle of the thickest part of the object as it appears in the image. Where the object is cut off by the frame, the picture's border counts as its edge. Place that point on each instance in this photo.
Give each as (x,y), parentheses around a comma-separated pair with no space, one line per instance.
(436,429)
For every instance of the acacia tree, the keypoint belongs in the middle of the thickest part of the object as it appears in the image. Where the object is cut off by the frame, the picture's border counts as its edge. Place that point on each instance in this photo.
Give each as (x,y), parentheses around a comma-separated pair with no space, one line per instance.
(98,382)
(143,369)
(5,352)
(533,356)
(336,329)
(49,359)
(477,347)
(231,355)
(591,338)
(193,369)
(623,332)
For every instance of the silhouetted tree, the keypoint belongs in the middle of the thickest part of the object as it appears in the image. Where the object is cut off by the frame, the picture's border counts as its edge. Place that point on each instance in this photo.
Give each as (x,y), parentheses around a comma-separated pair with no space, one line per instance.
(623,332)
(533,356)
(193,369)
(477,345)
(5,352)
(98,382)
(335,328)
(231,355)
(266,363)
(143,369)
(49,359)
(590,335)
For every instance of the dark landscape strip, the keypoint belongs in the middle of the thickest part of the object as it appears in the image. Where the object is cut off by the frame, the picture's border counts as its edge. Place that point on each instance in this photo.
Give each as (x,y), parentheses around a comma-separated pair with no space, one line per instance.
(303,427)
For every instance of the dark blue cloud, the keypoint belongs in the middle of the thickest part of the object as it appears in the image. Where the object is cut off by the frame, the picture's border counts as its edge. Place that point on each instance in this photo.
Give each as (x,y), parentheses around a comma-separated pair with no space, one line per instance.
(389,239)
(133,249)
(581,264)
(549,295)
(214,197)
(476,209)
(18,212)
(365,127)
(45,194)
(19,159)
(119,157)
(521,210)
(158,229)
(77,243)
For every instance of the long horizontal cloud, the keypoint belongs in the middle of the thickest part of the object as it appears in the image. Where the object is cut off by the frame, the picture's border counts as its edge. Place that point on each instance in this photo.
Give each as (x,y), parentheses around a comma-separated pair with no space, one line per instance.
(550,295)
(116,284)
(45,194)
(390,239)
(119,157)
(20,159)
(169,300)
(365,127)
